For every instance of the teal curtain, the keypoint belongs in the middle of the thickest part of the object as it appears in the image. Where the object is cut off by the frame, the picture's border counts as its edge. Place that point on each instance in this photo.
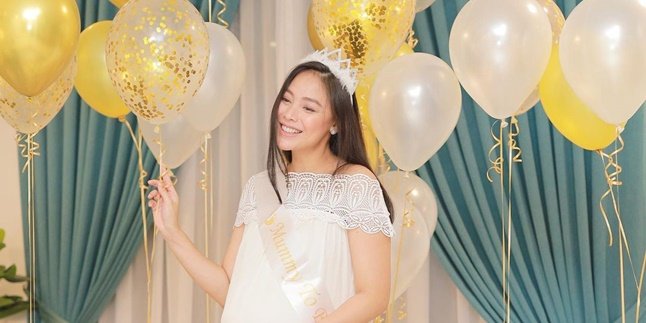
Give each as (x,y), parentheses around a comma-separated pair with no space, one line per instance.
(88,212)
(562,268)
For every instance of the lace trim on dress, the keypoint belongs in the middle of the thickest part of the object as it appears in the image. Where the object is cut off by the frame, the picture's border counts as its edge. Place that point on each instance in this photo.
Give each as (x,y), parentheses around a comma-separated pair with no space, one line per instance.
(350,200)
(247,206)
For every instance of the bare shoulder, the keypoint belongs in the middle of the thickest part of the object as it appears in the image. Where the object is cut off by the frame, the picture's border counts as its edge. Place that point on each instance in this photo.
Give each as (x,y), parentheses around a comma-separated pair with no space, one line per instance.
(354,169)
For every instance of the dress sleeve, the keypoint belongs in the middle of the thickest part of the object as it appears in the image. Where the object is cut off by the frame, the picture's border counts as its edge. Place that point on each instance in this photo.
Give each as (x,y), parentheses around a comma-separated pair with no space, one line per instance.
(247,204)
(367,208)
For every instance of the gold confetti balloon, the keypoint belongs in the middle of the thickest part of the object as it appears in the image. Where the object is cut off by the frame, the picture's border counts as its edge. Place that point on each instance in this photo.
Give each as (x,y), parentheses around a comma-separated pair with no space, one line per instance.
(157,54)
(368,31)
(30,114)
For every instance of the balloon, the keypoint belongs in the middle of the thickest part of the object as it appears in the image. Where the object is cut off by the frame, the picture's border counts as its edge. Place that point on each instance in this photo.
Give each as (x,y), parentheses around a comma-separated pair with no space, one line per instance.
(603,46)
(499,50)
(223,82)
(411,196)
(363,93)
(368,31)
(157,55)
(38,39)
(178,138)
(415,105)
(568,114)
(421,5)
(557,20)
(555,17)
(311,32)
(119,3)
(92,81)
(404,49)
(30,114)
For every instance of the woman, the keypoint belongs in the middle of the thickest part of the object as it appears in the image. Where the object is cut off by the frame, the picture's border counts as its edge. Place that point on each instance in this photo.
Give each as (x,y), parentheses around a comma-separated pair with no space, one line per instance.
(311,241)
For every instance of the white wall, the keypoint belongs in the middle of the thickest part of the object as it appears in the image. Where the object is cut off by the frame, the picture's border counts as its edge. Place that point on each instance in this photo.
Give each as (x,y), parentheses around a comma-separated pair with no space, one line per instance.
(10,213)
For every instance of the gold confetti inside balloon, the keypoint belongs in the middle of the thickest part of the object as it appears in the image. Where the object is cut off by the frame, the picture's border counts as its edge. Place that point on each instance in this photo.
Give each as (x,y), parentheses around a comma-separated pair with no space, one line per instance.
(311,32)
(38,39)
(368,31)
(157,55)
(30,114)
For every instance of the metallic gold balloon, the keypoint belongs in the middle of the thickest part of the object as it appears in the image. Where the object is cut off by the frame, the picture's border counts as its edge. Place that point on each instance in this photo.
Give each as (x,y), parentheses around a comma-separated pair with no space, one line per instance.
(368,31)
(568,113)
(92,81)
(157,55)
(119,3)
(30,114)
(38,39)
(311,32)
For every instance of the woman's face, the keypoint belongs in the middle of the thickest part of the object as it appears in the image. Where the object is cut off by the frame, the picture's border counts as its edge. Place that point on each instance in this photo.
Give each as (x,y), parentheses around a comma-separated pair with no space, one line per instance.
(304,114)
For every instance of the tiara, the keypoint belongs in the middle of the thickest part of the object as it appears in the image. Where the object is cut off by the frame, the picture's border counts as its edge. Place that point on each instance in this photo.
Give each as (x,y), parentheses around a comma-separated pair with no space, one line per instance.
(339,66)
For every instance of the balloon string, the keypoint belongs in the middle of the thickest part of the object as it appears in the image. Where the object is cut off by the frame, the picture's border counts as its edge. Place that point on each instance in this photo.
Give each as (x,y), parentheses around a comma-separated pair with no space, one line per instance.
(204,185)
(514,157)
(28,150)
(221,20)
(496,164)
(137,140)
(407,222)
(210,10)
(411,40)
(612,169)
(639,288)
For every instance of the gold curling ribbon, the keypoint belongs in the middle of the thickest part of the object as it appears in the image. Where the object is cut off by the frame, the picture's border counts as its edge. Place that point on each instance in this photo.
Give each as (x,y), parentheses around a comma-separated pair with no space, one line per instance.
(496,164)
(138,143)
(411,40)
(204,185)
(514,157)
(612,169)
(221,20)
(28,150)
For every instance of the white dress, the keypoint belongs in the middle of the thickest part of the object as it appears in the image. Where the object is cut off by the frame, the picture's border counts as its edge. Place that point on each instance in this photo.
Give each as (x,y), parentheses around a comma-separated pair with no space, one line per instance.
(323,207)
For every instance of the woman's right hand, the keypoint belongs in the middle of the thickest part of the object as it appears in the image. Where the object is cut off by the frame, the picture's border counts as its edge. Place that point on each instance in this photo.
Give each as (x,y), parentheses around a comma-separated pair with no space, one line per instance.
(165,205)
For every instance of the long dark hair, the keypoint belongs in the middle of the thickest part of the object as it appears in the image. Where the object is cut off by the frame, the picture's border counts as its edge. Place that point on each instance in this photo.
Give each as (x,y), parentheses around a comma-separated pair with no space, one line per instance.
(347,144)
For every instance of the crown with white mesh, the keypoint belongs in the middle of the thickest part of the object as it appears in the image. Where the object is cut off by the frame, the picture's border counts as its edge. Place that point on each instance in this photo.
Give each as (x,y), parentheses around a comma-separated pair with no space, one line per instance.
(339,66)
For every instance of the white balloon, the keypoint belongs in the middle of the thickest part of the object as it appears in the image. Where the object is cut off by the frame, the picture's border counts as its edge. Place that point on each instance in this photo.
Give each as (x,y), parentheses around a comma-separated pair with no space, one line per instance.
(411,243)
(422,4)
(223,82)
(178,138)
(415,105)
(499,50)
(603,56)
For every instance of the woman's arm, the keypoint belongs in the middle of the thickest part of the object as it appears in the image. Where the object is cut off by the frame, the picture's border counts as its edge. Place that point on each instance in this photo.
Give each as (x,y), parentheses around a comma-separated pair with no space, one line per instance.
(371,267)
(210,276)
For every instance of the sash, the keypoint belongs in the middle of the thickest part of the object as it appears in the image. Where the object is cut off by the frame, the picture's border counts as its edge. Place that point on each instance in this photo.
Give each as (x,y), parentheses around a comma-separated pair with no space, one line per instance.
(297,265)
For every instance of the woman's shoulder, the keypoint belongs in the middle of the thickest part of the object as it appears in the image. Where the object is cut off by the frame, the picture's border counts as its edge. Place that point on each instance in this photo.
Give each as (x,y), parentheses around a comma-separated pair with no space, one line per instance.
(356,170)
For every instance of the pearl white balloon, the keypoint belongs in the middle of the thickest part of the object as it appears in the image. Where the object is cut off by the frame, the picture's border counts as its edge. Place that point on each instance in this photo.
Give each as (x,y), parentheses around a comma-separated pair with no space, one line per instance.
(178,138)
(422,4)
(603,56)
(415,104)
(411,243)
(499,50)
(223,81)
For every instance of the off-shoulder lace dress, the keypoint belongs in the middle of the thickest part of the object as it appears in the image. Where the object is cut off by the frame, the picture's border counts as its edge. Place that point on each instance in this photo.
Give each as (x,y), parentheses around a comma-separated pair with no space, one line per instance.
(325,208)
